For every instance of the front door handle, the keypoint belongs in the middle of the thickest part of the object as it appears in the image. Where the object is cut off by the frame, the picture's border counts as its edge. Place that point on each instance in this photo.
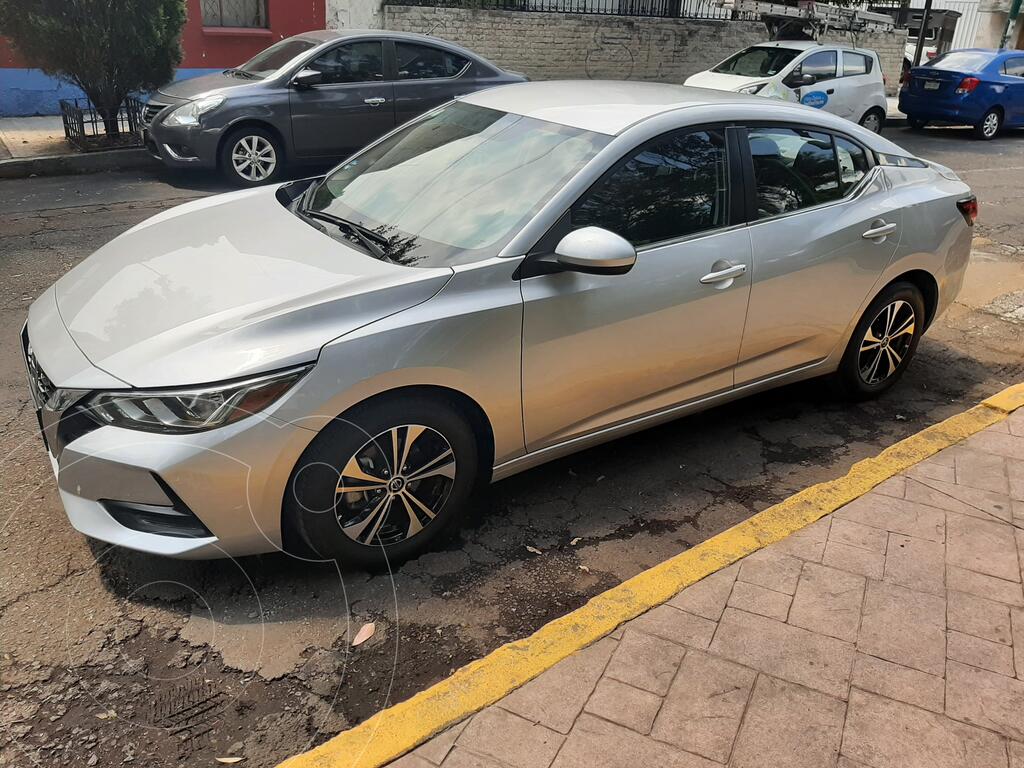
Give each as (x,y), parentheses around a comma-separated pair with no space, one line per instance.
(724,274)
(881,230)
(376,101)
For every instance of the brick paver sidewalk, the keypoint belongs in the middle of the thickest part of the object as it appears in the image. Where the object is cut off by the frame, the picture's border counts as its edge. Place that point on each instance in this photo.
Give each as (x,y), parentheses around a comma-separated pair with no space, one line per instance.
(889,634)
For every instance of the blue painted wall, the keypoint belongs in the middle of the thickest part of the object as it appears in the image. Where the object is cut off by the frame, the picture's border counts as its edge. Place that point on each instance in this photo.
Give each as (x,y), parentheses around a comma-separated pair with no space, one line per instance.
(26,92)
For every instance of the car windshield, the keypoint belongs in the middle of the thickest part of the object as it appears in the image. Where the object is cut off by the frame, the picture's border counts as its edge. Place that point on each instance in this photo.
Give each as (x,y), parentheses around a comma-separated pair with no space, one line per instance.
(757,61)
(961,61)
(455,186)
(276,56)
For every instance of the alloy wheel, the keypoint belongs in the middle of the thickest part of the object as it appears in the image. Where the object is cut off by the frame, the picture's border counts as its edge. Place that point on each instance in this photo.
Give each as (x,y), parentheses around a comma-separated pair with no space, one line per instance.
(990,125)
(254,158)
(872,122)
(395,485)
(886,342)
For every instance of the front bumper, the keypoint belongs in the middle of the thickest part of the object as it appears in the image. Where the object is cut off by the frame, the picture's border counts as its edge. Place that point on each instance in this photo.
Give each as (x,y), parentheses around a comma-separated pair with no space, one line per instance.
(182,146)
(204,495)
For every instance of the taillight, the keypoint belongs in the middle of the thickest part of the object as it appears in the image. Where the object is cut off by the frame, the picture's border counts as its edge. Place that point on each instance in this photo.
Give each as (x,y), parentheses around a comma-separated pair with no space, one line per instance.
(968,84)
(969,208)
(930,54)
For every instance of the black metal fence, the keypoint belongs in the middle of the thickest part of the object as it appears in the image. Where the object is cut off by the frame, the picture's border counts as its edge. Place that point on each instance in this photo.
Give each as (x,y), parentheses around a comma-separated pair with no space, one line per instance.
(679,9)
(86,130)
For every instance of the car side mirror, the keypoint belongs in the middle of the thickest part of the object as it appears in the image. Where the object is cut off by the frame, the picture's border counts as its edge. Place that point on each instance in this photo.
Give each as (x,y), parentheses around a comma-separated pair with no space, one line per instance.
(800,80)
(307,78)
(595,251)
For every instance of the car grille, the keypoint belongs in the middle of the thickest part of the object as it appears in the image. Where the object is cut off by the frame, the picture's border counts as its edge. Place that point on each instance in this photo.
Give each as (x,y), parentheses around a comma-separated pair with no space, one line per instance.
(39,383)
(150,111)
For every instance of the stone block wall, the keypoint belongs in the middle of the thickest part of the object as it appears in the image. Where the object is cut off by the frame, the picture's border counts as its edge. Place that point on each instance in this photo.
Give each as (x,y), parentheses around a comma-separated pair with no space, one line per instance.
(548,46)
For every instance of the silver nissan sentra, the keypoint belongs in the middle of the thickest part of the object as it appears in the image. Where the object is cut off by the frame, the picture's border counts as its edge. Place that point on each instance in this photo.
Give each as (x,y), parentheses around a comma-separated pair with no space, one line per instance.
(341,364)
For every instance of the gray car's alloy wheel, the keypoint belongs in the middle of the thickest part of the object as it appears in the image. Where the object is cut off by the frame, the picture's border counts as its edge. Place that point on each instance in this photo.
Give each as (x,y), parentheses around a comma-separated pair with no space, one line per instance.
(873,120)
(883,342)
(384,480)
(989,126)
(251,156)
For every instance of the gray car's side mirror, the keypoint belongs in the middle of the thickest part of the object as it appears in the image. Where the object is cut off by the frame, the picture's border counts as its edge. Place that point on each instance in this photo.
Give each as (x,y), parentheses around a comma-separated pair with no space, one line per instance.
(595,251)
(307,78)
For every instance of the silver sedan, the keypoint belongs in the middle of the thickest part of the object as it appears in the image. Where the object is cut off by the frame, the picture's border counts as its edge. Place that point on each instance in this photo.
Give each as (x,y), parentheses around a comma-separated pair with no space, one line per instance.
(342,364)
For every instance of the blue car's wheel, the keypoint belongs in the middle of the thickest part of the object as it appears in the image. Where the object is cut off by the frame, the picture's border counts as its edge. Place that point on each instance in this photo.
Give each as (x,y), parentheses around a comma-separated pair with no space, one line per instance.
(989,125)
(916,123)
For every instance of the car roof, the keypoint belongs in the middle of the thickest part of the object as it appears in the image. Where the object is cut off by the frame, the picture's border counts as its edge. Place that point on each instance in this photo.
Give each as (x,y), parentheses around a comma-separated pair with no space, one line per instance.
(805,45)
(329,35)
(603,106)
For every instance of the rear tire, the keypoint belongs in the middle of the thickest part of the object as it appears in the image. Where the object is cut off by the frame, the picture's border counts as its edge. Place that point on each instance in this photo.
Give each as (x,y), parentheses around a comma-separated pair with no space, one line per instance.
(916,123)
(883,342)
(989,125)
(251,156)
(349,503)
(873,120)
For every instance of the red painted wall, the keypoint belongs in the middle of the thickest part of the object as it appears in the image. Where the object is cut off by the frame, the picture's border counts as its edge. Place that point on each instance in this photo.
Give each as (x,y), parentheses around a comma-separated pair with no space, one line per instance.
(216,47)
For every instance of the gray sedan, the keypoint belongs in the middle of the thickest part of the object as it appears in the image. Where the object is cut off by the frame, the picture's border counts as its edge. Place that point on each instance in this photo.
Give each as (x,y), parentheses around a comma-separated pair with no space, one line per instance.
(310,98)
(341,364)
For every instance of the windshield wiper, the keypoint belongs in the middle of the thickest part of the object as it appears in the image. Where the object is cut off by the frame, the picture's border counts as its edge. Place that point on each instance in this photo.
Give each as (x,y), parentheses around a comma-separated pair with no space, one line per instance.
(367,237)
(240,73)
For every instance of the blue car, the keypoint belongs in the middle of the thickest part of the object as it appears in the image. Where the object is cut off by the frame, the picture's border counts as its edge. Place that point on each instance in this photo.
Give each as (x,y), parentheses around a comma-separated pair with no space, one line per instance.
(973,86)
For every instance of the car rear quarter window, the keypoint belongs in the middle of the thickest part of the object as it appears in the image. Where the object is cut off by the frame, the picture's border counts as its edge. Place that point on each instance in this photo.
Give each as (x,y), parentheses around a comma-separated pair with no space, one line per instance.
(1014,67)
(793,169)
(424,62)
(359,62)
(821,64)
(669,188)
(856,64)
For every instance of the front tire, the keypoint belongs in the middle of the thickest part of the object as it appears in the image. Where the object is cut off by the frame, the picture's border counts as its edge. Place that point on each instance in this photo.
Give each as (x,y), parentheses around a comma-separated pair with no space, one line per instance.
(883,342)
(385,481)
(873,120)
(251,156)
(989,125)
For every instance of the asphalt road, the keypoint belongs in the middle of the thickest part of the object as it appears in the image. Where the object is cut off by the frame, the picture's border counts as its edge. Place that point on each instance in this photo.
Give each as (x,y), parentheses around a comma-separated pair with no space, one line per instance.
(108,657)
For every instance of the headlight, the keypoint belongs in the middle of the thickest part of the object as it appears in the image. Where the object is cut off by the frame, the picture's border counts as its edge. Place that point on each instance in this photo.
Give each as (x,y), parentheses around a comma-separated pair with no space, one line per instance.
(752,88)
(189,114)
(190,410)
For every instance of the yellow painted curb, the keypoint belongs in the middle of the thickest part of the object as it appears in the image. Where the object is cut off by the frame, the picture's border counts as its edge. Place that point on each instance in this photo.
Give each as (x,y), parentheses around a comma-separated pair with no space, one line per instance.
(398,729)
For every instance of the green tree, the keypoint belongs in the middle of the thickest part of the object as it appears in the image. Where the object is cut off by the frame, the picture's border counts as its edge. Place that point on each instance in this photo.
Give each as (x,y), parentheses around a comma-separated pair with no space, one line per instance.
(108,48)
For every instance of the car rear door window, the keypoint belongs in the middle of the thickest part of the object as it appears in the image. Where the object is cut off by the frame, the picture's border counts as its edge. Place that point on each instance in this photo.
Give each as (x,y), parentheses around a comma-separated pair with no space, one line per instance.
(793,169)
(424,62)
(853,163)
(856,64)
(821,64)
(359,62)
(669,188)
(1014,67)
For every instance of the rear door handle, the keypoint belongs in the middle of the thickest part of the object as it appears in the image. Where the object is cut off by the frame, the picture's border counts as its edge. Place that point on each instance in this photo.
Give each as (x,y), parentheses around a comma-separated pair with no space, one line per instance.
(376,101)
(724,274)
(880,231)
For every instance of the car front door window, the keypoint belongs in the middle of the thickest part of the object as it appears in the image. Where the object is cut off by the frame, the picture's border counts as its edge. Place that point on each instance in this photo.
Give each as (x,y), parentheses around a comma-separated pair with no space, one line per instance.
(821,65)
(668,189)
(359,62)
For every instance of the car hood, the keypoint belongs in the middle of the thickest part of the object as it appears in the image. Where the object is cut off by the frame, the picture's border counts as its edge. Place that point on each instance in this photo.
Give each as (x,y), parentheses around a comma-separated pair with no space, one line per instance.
(224,287)
(721,82)
(191,87)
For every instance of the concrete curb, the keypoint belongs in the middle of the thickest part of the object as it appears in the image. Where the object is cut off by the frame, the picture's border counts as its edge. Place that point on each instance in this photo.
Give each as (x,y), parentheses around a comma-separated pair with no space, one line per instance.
(86,162)
(394,731)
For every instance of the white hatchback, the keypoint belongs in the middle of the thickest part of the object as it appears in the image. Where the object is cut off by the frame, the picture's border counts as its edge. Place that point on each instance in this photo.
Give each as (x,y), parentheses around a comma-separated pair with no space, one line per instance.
(845,81)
